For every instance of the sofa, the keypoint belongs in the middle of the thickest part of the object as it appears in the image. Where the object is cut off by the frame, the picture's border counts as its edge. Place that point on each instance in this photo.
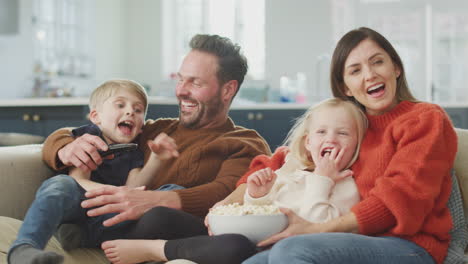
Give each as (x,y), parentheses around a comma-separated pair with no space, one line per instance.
(22,171)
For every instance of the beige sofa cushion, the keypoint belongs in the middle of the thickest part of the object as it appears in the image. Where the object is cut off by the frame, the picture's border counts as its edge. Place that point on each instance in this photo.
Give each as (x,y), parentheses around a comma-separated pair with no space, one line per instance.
(21,173)
(10,227)
(461,166)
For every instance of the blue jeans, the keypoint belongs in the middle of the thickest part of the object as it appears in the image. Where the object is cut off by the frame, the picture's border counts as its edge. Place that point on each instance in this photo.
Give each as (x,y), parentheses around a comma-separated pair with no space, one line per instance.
(58,201)
(342,248)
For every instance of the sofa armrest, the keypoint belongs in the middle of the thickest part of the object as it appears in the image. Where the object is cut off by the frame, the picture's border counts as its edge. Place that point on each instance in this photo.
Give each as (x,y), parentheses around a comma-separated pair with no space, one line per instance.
(21,173)
(461,166)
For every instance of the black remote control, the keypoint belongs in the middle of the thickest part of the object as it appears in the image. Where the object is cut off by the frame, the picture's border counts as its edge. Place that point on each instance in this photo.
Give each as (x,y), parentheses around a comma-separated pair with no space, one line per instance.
(114,148)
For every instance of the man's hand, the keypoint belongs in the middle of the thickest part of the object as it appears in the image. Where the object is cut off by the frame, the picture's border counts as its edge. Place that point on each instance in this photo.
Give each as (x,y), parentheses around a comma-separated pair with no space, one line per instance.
(130,203)
(83,152)
(164,147)
(260,182)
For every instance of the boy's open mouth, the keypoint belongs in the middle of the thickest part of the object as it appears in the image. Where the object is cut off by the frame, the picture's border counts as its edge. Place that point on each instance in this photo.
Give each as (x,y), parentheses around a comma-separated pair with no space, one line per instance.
(126,127)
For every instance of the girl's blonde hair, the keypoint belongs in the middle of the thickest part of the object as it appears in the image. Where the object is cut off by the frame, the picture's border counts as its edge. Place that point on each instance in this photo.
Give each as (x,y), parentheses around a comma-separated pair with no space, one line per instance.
(298,134)
(109,88)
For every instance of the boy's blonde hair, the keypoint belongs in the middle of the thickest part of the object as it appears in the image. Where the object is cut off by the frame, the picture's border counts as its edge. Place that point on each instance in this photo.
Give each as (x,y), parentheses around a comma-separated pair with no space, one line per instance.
(298,134)
(109,88)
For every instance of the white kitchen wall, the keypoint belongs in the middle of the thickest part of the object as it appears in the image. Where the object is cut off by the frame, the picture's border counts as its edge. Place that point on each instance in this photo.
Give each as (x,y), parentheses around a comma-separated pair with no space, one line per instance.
(111,40)
(298,33)
(143,38)
(16,55)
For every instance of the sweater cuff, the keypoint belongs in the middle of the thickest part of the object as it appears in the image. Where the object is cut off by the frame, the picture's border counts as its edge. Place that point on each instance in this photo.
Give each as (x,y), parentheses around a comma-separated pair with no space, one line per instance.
(264,200)
(50,152)
(373,216)
(319,186)
(191,202)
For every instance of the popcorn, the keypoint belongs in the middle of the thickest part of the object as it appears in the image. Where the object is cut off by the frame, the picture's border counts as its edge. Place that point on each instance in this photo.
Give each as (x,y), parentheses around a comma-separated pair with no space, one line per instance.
(245,209)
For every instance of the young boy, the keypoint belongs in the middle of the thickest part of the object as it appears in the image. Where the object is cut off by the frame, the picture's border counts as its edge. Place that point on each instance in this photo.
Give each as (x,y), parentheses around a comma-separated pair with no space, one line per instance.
(117,113)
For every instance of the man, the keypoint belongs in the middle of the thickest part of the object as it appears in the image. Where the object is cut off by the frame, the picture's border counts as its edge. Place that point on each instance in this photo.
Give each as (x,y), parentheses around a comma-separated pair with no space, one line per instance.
(214,153)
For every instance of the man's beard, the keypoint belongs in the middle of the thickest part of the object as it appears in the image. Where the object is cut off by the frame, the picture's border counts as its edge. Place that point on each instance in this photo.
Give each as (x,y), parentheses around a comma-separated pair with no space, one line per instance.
(207,111)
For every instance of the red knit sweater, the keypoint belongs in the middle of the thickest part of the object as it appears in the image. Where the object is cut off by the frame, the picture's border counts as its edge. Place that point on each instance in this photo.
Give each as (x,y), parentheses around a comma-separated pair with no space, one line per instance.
(403,176)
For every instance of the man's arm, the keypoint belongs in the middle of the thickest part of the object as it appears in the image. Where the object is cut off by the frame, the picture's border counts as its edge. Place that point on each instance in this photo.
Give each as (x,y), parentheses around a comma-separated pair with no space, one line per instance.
(243,146)
(62,150)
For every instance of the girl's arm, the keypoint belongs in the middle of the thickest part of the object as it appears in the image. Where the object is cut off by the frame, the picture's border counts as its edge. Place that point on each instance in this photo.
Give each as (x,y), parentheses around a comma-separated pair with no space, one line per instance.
(324,200)
(83,178)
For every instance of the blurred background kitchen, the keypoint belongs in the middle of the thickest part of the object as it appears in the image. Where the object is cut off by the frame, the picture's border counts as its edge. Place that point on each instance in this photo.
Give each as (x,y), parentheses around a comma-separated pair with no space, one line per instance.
(64,48)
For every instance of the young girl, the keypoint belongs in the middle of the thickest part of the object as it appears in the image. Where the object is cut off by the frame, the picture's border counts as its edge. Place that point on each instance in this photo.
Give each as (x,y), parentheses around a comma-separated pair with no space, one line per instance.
(311,177)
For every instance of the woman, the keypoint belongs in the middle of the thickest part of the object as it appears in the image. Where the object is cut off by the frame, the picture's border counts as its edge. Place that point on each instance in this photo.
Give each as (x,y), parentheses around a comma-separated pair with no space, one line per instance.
(402,174)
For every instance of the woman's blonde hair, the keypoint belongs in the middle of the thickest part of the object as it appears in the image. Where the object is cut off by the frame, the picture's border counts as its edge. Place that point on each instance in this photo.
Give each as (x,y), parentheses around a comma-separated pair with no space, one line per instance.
(298,134)
(109,88)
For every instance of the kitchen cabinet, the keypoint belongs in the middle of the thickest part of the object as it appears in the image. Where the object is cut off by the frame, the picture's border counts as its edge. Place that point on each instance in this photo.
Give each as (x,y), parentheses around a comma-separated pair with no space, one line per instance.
(42,120)
(272,124)
(156,111)
(459,116)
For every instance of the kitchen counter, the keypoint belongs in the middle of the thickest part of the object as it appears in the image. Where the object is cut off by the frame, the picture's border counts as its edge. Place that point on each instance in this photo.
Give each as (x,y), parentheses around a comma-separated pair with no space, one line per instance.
(68,101)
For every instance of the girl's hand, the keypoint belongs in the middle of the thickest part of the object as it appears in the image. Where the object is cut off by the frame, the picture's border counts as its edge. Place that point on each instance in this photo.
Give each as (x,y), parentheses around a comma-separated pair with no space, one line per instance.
(164,147)
(328,166)
(260,182)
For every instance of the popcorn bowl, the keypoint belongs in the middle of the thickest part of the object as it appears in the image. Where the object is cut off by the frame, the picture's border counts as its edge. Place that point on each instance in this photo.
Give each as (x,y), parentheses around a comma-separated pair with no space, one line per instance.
(256,227)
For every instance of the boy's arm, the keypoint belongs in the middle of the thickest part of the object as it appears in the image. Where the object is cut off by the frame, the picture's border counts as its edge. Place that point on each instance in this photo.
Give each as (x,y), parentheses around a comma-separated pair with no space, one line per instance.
(143,176)
(83,179)
(162,147)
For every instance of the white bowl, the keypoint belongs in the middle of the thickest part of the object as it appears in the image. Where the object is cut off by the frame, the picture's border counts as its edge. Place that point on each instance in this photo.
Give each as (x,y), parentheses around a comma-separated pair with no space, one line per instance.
(254,227)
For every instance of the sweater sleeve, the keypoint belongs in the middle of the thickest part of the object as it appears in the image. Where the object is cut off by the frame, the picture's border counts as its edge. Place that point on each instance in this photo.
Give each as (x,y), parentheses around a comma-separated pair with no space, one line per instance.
(197,200)
(263,161)
(414,181)
(53,144)
(316,206)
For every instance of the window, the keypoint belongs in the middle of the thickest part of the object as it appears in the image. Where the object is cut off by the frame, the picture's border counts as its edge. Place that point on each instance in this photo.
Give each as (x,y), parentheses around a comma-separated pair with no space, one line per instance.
(430,36)
(63,47)
(240,20)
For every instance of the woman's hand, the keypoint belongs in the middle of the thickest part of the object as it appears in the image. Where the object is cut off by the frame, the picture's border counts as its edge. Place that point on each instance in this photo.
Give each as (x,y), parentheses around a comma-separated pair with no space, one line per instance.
(207,223)
(296,226)
(260,182)
(237,196)
(328,166)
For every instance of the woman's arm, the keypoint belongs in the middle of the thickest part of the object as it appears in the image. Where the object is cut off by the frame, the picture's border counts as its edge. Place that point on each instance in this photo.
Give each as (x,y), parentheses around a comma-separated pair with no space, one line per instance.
(298,226)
